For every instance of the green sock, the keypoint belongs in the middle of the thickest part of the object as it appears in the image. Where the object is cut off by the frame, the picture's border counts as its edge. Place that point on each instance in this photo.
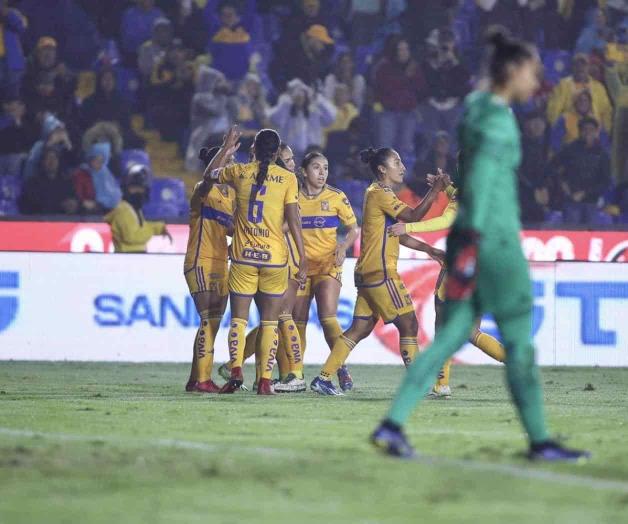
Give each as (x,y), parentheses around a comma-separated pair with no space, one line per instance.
(523,375)
(422,373)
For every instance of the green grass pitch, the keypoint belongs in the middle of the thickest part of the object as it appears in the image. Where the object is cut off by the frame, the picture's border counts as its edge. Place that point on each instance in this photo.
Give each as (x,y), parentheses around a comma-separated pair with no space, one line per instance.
(122,443)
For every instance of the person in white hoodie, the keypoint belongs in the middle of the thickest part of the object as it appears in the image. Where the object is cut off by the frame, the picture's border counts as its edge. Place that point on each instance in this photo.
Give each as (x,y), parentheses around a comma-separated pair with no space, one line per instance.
(301,115)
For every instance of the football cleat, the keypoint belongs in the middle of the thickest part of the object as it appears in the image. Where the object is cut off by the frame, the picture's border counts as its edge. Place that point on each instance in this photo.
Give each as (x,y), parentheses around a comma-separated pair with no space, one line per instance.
(265,387)
(191,385)
(224,371)
(392,442)
(291,384)
(207,387)
(324,387)
(344,379)
(235,382)
(441,392)
(551,451)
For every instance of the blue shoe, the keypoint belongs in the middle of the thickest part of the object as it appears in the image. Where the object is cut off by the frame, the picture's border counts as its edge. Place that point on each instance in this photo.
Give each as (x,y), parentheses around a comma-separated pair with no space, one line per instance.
(550,451)
(344,379)
(391,442)
(324,387)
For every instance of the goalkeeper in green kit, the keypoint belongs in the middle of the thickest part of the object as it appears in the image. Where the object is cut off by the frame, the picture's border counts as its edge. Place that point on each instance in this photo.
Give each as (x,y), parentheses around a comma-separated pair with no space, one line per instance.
(488,272)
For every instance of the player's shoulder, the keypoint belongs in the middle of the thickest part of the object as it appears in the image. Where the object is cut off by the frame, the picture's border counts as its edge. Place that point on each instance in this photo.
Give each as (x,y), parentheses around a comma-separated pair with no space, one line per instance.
(485,114)
(224,190)
(336,194)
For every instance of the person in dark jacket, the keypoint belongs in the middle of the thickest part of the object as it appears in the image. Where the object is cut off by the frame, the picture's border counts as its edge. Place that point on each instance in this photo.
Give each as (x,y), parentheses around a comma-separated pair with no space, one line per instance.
(583,168)
(17,133)
(107,105)
(399,86)
(50,191)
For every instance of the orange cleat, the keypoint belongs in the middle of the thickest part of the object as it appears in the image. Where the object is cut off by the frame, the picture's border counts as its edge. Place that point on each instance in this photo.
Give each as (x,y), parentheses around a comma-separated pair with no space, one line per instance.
(207,387)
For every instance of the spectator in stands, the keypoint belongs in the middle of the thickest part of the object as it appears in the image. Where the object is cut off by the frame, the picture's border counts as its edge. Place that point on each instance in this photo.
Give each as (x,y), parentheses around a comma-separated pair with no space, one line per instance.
(130,231)
(309,13)
(345,110)
(137,26)
(104,132)
(595,35)
(16,132)
(213,109)
(44,61)
(422,16)
(506,13)
(108,105)
(301,115)
(230,46)
(252,109)
(12,25)
(583,168)
(617,82)
(561,99)
(49,191)
(399,86)
(438,157)
(308,57)
(365,17)
(95,185)
(566,128)
(153,51)
(172,88)
(447,83)
(344,73)
(53,135)
(535,186)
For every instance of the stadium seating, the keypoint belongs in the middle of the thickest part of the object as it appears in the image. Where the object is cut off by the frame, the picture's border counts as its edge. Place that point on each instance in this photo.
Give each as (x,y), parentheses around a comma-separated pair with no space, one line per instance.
(167,199)
(10,187)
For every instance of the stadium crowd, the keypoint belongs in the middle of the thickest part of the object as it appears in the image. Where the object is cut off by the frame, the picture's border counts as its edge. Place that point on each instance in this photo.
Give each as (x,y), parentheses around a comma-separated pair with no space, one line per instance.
(331,75)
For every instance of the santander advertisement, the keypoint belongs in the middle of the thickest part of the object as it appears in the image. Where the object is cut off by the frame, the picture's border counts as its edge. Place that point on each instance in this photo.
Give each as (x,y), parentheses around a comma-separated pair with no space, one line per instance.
(77,237)
(137,308)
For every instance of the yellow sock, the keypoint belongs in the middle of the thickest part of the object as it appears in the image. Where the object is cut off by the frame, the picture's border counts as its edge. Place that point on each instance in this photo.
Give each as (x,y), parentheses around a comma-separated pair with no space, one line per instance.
(331,330)
(443,376)
(490,346)
(301,328)
(282,359)
(337,357)
(237,342)
(290,343)
(269,340)
(408,347)
(204,347)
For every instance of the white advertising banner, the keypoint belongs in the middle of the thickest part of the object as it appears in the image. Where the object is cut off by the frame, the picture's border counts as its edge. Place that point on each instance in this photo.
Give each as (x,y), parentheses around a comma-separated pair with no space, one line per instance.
(58,306)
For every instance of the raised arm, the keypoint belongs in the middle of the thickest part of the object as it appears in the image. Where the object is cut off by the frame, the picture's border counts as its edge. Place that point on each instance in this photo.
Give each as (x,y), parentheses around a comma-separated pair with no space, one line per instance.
(230,144)
(416,214)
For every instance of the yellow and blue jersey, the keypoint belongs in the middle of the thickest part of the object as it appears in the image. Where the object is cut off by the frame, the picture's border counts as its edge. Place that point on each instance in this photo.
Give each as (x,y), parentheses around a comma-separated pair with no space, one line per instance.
(321,215)
(258,237)
(210,219)
(379,251)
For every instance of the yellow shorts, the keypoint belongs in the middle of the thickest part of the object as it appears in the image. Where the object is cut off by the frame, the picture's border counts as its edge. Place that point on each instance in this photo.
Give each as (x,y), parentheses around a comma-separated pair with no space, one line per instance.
(207,276)
(387,301)
(247,280)
(307,288)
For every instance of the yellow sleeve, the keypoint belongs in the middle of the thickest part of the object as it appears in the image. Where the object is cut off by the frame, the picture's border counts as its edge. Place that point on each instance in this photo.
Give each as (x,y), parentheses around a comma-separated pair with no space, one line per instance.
(435,224)
(228,174)
(389,203)
(345,211)
(127,229)
(558,101)
(292,191)
(602,103)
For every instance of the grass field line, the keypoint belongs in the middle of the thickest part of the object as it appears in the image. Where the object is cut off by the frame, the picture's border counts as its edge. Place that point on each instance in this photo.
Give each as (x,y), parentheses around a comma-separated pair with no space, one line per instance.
(509,470)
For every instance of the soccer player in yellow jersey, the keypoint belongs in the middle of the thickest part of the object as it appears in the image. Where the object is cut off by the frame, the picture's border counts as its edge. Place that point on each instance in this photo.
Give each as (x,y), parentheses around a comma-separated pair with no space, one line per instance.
(381,293)
(289,357)
(205,268)
(482,341)
(266,196)
(323,209)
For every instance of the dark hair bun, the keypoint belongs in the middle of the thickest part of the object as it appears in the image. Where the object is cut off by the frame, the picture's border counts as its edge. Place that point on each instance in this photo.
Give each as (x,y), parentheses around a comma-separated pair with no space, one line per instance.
(367,155)
(497,36)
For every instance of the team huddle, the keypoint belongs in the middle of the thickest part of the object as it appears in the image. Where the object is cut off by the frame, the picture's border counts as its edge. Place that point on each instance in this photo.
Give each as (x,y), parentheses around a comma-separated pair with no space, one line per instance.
(286,252)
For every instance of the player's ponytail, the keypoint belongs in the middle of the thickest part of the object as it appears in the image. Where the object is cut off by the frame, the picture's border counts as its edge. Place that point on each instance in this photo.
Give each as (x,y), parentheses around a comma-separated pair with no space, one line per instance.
(375,158)
(266,147)
(503,51)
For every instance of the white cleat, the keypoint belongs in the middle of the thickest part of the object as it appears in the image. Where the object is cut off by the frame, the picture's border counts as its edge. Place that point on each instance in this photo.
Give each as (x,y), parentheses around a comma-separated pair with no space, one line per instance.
(441,392)
(291,384)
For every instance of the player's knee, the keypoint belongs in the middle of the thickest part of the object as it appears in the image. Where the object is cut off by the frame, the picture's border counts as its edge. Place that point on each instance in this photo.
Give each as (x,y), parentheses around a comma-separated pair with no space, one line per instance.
(408,326)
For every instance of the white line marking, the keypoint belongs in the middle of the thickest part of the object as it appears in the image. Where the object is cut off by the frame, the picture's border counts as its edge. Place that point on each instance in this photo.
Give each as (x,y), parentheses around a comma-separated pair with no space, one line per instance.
(509,470)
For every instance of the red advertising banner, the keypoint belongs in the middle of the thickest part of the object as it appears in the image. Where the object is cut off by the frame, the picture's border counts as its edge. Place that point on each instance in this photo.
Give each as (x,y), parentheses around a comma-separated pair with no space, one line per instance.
(79,237)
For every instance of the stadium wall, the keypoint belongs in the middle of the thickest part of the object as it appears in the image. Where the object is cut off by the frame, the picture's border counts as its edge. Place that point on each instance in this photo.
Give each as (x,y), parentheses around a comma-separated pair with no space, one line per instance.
(56,306)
